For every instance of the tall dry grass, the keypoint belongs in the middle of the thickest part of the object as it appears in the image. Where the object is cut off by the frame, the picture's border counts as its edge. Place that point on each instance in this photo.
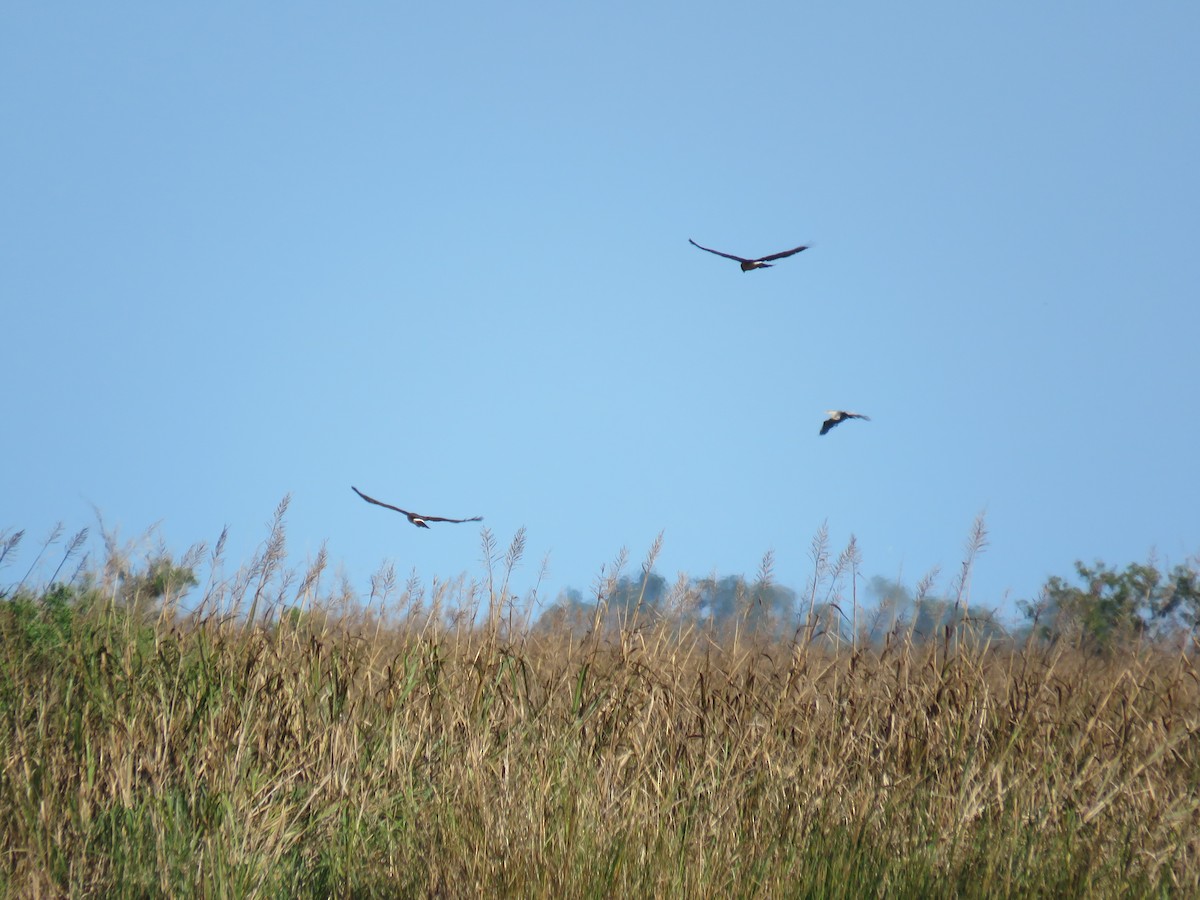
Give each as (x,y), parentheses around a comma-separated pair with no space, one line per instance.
(278,740)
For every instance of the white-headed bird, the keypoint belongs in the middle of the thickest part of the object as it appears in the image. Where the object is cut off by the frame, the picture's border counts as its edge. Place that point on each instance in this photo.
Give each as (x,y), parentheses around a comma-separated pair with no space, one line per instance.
(413,517)
(837,416)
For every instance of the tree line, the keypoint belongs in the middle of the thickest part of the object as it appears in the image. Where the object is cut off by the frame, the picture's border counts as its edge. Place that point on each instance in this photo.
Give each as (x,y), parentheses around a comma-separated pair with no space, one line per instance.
(1098,610)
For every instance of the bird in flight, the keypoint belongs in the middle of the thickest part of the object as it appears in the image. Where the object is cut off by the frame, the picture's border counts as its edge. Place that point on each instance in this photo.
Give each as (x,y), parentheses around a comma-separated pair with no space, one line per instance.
(763,262)
(837,416)
(413,517)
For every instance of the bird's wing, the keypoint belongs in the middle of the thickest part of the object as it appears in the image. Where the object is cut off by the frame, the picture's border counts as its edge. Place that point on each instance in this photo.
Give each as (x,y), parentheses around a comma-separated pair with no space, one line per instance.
(719,253)
(791,252)
(380,502)
(854,415)
(827,424)
(440,519)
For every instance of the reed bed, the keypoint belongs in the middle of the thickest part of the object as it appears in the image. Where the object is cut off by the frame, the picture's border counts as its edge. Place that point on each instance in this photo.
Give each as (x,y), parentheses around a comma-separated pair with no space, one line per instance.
(312,752)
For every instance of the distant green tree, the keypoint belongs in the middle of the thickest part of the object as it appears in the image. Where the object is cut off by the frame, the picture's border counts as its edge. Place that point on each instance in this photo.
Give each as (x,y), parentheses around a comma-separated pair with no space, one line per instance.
(161,582)
(924,616)
(1178,600)
(891,609)
(761,605)
(637,596)
(635,600)
(632,601)
(1111,606)
(569,613)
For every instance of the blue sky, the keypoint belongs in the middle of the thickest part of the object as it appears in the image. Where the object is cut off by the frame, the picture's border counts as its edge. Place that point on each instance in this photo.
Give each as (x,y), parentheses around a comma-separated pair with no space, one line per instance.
(440,252)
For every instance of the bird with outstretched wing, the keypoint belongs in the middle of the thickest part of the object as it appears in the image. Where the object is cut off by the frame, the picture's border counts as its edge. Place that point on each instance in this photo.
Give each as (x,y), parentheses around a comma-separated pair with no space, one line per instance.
(837,416)
(762,262)
(413,517)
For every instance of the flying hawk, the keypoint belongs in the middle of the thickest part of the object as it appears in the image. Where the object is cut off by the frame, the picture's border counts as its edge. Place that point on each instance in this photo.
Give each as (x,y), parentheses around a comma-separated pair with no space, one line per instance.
(837,416)
(413,517)
(763,262)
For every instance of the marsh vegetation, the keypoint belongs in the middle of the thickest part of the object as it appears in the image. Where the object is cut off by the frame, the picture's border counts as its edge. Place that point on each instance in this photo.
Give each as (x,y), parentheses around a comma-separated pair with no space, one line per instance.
(263,733)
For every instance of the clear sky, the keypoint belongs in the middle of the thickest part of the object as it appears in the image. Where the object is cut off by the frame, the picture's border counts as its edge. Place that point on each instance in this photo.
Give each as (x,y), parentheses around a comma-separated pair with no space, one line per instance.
(440,251)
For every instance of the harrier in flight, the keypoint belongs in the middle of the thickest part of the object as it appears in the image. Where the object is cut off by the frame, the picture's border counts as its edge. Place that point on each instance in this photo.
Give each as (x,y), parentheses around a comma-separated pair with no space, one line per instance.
(763,262)
(837,416)
(413,517)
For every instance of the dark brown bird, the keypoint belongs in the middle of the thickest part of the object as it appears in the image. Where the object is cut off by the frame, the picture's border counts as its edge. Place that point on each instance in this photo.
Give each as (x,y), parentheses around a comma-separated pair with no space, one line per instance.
(837,416)
(763,262)
(413,517)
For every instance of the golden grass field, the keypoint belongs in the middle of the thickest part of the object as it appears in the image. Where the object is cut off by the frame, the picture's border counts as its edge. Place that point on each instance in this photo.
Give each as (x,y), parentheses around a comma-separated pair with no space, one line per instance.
(239,750)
